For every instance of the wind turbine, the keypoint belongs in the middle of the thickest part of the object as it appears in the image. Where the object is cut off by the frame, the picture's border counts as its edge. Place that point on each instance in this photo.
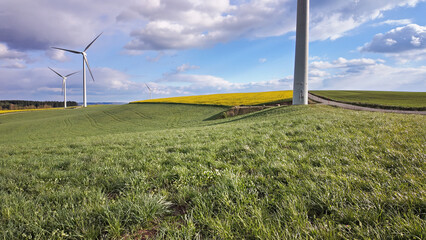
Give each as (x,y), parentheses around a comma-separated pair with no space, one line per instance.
(64,85)
(150,91)
(300,85)
(85,63)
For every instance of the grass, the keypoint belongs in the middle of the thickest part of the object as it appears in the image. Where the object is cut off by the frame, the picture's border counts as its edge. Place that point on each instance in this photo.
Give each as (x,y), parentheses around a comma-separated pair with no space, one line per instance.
(229,99)
(299,172)
(60,125)
(378,99)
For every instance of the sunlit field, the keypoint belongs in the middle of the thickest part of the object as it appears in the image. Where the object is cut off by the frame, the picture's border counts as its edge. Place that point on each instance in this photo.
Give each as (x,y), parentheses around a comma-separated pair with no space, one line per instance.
(165,171)
(378,99)
(229,99)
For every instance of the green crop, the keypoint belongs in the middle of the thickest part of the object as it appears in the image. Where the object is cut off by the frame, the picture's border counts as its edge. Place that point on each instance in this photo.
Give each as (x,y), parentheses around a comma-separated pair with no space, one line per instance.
(378,99)
(167,172)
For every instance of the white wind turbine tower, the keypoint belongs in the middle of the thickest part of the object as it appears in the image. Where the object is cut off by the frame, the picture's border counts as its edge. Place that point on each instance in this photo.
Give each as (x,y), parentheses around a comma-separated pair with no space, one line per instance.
(64,85)
(300,86)
(150,91)
(85,63)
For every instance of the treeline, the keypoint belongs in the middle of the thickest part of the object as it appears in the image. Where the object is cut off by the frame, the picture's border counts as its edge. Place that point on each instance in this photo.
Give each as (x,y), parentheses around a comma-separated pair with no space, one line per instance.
(23,104)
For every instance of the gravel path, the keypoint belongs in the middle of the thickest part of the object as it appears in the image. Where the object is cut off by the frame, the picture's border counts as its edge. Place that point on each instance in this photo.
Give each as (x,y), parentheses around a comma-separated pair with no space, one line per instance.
(359,108)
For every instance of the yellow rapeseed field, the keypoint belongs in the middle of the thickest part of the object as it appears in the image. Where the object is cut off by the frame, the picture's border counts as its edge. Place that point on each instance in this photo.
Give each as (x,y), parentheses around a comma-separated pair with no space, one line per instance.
(228,99)
(26,110)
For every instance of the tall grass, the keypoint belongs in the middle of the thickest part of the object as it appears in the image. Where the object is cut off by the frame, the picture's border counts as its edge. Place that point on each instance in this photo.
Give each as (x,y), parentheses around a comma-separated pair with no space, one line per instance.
(298,172)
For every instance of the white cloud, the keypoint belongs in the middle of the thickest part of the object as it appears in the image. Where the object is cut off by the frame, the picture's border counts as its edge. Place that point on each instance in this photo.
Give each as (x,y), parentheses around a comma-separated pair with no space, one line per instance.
(114,85)
(397,22)
(390,42)
(262,60)
(410,37)
(176,24)
(197,24)
(177,82)
(156,58)
(379,77)
(42,84)
(185,67)
(344,63)
(417,41)
(314,58)
(365,74)
(13,63)
(111,79)
(332,26)
(6,53)
(406,43)
(171,24)
(12,58)
(190,84)
(57,55)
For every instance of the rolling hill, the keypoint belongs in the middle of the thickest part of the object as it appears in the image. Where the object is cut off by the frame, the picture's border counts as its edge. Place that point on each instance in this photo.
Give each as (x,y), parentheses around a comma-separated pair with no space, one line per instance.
(166,171)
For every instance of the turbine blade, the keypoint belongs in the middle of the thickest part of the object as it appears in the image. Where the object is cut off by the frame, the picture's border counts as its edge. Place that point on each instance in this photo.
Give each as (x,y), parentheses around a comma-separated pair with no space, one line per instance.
(71,74)
(148,87)
(90,44)
(63,87)
(88,67)
(63,49)
(56,72)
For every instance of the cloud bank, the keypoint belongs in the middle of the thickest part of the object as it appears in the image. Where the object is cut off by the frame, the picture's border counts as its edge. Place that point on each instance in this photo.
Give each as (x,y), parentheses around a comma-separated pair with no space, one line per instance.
(366,74)
(171,24)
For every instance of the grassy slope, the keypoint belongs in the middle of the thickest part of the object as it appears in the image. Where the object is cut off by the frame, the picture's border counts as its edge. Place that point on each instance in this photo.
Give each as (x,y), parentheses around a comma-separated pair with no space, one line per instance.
(294,172)
(99,120)
(403,100)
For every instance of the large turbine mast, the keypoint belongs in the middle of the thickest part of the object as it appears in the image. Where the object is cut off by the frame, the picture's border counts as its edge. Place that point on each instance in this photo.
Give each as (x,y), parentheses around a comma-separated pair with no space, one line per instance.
(300,86)
(85,63)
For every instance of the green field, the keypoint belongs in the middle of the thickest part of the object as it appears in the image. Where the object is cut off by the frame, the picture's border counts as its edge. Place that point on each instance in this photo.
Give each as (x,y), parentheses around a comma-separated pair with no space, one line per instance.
(167,172)
(378,99)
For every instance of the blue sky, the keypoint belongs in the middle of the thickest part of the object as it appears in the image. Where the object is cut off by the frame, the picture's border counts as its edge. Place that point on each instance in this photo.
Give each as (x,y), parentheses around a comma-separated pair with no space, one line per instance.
(191,47)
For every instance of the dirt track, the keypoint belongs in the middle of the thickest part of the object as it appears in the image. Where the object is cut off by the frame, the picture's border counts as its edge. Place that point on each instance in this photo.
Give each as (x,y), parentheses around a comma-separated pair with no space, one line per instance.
(359,108)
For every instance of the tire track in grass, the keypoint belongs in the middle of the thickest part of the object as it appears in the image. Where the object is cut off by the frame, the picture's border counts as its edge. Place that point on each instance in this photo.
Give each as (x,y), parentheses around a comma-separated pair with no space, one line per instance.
(69,126)
(142,117)
(113,116)
(174,120)
(141,114)
(92,121)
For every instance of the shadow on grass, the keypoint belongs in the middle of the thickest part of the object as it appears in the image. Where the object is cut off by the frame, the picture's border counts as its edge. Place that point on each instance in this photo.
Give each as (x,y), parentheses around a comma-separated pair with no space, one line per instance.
(258,114)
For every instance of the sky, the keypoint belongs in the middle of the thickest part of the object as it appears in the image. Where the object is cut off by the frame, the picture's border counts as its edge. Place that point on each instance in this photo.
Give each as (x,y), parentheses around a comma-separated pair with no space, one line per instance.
(192,47)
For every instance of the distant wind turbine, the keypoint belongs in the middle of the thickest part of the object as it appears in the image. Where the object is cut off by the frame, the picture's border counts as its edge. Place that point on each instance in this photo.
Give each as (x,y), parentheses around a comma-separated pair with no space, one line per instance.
(150,91)
(300,86)
(85,63)
(64,85)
